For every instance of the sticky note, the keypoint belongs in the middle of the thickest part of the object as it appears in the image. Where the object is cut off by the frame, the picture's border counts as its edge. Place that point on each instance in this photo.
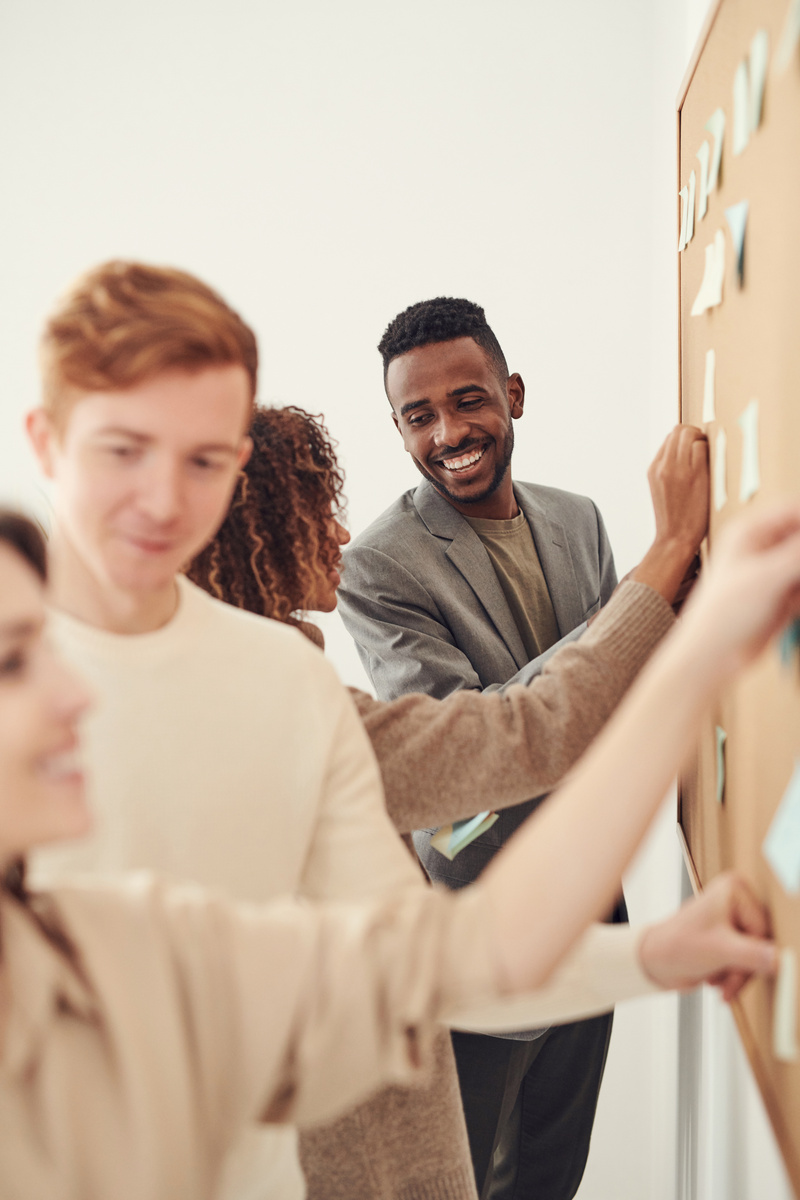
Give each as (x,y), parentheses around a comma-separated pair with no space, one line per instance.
(720,470)
(741,109)
(790,37)
(709,413)
(684,195)
(715,125)
(782,844)
(759,56)
(789,644)
(721,738)
(702,196)
(736,216)
(750,480)
(710,294)
(451,839)
(690,213)
(784,1013)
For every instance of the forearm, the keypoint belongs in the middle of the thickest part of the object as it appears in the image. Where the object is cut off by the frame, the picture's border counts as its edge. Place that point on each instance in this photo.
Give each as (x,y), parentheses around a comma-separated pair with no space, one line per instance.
(445,760)
(565,863)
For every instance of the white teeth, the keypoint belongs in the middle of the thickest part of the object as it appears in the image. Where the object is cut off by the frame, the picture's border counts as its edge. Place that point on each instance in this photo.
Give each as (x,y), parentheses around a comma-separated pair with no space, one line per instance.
(458,464)
(57,765)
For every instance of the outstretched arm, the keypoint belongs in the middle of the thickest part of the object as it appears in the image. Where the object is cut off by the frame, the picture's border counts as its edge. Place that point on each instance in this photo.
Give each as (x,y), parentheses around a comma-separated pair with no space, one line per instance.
(552,866)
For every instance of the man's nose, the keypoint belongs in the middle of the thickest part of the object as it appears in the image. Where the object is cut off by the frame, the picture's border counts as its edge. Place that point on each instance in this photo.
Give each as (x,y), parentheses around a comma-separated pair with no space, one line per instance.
(451,429)
(160,495)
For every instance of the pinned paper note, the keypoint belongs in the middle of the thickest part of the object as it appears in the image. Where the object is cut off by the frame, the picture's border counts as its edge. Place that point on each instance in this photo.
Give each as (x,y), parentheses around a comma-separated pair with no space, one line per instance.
(451,839)
(759,56)
(715,125)
(736,216)
(709,413)
(782,844)
(790,37)
(741,109)
(721,738)
(784,1015)
(720,470)
(710,294)
(690,213)
(750,480)
(789,643)
(684,195)
(702,197)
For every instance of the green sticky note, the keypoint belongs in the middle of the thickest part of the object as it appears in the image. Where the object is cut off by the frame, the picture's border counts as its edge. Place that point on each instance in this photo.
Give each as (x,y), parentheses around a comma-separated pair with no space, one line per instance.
(722,737)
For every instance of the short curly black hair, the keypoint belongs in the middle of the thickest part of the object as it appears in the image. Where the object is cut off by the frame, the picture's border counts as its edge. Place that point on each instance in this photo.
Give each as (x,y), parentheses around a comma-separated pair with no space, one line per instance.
(441,320)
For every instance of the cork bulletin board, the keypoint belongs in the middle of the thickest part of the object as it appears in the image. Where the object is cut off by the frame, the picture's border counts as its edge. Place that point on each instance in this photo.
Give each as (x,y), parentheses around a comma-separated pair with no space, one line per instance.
(739,329)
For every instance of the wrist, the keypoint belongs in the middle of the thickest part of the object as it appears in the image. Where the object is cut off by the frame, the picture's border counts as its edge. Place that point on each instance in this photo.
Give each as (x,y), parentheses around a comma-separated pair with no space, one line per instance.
(665,564)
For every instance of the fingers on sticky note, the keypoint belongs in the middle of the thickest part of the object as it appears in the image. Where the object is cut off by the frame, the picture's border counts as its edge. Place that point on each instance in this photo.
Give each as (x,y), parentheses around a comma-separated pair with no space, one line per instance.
(784,1015)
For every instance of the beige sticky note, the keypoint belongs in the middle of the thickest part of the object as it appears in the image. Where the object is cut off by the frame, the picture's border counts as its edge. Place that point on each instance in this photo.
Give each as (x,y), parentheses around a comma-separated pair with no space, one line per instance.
(709,406)
(690,214)
(720,470)
(715,125)
(710,293)
(741,109)
(750,480)
(790,36)
(703,154)
(784,1015)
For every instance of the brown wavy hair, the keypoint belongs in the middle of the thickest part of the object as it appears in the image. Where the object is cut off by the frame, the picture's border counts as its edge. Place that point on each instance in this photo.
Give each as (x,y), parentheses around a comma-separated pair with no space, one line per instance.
(277,539)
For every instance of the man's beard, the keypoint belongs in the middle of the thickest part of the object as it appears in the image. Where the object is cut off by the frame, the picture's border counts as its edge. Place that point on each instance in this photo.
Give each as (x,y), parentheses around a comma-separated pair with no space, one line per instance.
(501,466)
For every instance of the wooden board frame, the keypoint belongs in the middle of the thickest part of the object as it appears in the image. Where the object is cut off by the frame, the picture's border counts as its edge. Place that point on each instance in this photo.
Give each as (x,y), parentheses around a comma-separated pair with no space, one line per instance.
(763,711)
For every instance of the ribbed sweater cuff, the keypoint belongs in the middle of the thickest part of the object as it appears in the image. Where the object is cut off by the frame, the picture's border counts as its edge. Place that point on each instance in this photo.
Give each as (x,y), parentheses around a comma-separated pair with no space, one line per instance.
(455,1185)
(633,622)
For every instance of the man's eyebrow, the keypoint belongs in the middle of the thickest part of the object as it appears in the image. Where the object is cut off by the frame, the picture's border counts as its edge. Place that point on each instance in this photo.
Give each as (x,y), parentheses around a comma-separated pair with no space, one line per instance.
(467,388)
(143,438)
(412,404)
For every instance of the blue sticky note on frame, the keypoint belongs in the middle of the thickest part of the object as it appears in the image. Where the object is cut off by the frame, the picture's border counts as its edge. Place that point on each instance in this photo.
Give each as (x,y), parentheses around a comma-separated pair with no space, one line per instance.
(782,844)
(451,839)
(789,643)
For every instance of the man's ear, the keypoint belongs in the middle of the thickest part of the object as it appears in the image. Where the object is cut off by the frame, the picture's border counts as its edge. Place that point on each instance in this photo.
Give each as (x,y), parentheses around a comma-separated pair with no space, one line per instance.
(43,438)
(515,390)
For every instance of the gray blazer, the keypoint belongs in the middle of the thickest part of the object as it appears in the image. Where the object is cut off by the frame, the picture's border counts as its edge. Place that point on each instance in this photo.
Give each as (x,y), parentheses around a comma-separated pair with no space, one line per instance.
(421,599)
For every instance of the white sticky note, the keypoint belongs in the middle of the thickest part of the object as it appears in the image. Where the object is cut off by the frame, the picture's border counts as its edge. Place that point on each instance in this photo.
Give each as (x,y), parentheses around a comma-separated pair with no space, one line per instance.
(782,844)
(759,57)
(709,413)
(715,125)
(784,1014)
(690,216)
(702,196)
(684,195)
(720,470)
(710,294)
(750,480)
(736,216)
(790,37)
(721,739)
(741,109)
(451,839)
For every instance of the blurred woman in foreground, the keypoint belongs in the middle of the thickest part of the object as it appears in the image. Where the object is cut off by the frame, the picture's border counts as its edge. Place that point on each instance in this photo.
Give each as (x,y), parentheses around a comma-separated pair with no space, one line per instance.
(144,1024)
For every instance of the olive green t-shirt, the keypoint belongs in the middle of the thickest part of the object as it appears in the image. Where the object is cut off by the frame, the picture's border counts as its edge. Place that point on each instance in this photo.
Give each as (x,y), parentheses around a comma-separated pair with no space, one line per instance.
(512,551)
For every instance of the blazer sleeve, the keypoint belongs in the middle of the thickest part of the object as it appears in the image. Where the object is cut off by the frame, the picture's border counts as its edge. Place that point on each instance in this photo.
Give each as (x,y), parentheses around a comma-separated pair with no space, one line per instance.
(517,743)
(402,637)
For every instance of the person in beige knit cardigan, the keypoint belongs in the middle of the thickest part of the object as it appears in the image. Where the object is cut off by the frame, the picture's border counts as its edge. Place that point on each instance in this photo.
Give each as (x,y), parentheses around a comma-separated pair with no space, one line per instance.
(276,554)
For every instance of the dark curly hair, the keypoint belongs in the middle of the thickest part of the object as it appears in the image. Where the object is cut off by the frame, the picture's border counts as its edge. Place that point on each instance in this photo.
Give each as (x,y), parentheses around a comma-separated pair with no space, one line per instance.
(276,539)
(441,320)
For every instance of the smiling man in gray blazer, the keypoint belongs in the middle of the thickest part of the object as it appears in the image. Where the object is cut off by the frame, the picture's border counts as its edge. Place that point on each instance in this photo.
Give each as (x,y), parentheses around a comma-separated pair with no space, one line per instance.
(471,580)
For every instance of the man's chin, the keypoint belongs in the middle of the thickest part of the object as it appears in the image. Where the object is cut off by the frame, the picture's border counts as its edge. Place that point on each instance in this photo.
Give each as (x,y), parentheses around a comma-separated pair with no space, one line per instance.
(471,493)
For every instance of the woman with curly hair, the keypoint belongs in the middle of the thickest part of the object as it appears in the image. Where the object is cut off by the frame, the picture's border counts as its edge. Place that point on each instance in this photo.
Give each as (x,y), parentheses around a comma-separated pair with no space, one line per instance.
(277,554)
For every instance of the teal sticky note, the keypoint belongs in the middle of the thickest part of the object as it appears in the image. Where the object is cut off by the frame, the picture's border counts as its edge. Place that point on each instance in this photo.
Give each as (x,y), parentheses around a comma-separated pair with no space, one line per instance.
(736,216)
(782,844)
(789,643)
(451,839)
(721,738)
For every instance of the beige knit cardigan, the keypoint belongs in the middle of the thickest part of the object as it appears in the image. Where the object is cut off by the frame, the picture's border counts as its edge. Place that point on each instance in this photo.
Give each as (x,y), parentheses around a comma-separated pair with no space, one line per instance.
(442,761)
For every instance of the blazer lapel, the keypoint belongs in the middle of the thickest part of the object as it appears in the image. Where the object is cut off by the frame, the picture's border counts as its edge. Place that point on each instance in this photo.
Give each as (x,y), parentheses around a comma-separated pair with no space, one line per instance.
(468,555)
(552,545)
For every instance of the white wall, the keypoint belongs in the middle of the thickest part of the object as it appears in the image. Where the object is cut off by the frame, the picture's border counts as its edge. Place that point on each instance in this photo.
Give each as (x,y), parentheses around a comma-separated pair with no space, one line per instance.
(324,165)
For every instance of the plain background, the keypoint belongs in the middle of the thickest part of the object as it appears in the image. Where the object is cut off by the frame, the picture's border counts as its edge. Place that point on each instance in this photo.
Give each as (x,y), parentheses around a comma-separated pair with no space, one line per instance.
(326,164)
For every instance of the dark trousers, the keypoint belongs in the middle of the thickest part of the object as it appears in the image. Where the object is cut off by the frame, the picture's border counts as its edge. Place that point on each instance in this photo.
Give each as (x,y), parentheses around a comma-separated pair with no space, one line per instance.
(530,1108)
